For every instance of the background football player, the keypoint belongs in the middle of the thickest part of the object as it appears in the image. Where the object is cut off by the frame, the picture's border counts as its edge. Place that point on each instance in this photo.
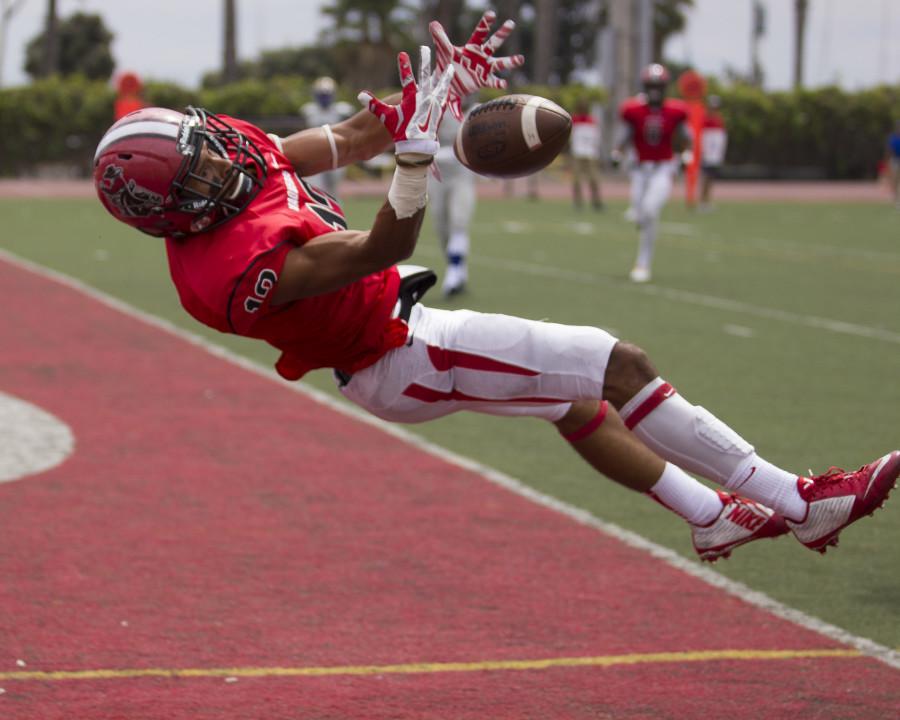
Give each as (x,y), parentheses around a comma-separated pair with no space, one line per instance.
(651,124)
(713,145)
(255,250)
(323,110)
(451,204)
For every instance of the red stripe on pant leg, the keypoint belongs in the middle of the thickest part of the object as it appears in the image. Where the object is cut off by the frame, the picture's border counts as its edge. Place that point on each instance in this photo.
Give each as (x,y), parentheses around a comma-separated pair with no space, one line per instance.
(429,395)
(445,359)
(663,392)
(589,427)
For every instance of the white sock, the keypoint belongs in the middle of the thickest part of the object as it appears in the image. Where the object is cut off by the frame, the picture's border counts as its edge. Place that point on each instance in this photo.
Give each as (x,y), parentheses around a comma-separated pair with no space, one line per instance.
(775,488)
(699,442)
(679,492)
(458,243)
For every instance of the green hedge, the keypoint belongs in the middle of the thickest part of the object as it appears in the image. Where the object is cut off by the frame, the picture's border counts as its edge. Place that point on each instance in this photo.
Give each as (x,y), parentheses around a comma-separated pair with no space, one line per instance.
(841,134)
(837,134)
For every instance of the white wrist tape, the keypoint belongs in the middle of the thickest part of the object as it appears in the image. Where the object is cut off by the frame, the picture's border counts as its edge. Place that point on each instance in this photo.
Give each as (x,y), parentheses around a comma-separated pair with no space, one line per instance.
(408,192)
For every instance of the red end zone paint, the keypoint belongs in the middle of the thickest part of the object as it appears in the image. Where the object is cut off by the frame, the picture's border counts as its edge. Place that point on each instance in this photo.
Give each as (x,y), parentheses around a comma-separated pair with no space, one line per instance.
(230,523)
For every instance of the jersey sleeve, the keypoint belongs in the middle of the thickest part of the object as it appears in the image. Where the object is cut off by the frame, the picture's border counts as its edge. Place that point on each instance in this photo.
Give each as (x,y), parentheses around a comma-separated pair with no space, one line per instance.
(251,295)
(679,110)
(627,110)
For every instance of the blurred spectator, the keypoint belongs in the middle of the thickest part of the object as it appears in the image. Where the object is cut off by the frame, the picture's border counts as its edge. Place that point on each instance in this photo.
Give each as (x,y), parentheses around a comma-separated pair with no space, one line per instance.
(584,145)
(451,205)
(324,112)
(129,95)
(893,162)
(713,143)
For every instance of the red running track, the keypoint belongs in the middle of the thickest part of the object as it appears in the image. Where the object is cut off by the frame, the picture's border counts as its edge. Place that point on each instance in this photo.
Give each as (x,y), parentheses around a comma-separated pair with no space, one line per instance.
(211,518)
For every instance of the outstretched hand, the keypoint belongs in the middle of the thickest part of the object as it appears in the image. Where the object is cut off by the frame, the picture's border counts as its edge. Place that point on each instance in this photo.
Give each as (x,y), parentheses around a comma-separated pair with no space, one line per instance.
(413,123)
(474,62)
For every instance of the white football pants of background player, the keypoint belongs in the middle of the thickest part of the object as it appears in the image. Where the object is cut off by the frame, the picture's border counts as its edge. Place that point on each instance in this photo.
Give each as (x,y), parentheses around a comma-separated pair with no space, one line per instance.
(451,204)
(651,185)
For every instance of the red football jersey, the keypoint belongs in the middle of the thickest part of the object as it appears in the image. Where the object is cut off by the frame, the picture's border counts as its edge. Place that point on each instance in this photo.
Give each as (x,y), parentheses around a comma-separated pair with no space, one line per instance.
(712,119)
(225,277)
(653,128)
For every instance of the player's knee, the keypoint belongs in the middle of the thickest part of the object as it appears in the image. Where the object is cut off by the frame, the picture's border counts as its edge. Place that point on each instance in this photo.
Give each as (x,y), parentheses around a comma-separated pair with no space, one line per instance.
(629,369)
(580,416)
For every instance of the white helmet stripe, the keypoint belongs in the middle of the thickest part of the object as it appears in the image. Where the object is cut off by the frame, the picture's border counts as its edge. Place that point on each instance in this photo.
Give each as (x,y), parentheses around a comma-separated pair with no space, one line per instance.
(141,127)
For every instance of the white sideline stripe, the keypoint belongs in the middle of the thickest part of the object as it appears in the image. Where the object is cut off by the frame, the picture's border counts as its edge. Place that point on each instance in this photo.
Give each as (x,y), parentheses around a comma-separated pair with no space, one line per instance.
(707,575)
(692,298)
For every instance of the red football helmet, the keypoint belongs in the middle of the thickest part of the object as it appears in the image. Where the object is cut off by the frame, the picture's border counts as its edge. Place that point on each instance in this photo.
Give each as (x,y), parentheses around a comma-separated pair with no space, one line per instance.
(654,74)
(654,79)
(145,161)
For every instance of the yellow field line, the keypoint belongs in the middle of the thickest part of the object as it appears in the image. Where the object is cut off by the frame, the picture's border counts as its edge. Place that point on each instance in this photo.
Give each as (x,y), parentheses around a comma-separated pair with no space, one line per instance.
(438,667)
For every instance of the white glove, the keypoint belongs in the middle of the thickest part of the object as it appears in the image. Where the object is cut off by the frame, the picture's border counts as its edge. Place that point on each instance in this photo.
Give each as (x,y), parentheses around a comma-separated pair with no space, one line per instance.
(413,124)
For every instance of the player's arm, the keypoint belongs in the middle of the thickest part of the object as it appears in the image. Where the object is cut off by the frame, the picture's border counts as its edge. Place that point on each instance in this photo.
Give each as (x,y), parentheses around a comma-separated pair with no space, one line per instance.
(329,262)
(683,140)
(356,139)
(623,136)
(332,261)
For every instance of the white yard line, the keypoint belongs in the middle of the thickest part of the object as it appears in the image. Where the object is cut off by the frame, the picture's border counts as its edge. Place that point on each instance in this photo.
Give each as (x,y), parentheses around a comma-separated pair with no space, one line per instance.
(705,574)
(693,298)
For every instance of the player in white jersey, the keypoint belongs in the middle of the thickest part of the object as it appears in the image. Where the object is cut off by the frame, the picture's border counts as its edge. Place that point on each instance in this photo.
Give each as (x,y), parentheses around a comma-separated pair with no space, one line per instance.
(713,144)
(324,112)
(584,145)
(451,205)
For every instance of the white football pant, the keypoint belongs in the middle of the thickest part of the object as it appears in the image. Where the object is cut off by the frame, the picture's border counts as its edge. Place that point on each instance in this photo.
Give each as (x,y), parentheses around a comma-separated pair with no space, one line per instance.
(651,185)
(495,364)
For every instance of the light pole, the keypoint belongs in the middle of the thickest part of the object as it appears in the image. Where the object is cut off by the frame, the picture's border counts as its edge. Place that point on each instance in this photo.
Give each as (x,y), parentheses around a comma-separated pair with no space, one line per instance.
(8,8)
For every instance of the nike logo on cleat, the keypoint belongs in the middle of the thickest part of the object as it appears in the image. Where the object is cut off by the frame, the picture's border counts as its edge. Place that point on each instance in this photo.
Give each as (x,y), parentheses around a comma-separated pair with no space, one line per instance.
(746,518)
(876,473)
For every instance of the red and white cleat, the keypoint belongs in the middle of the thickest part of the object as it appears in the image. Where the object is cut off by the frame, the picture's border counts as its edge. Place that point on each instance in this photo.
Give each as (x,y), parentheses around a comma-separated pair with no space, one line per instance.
(838,498)
(741,521)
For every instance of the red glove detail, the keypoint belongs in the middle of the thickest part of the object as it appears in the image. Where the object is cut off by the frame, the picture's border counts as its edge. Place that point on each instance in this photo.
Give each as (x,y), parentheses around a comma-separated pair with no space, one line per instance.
(474,62)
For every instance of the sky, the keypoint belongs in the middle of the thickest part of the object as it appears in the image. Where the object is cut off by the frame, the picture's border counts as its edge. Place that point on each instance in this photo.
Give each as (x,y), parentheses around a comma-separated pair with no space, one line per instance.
(853,43)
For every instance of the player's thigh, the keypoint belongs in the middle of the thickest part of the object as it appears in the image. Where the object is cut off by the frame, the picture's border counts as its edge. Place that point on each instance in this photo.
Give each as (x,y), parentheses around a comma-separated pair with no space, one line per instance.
(639,181)
(498,364)
(659,188)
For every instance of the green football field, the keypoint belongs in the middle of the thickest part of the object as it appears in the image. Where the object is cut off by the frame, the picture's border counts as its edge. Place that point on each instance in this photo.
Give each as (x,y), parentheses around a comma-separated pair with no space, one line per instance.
(782,319)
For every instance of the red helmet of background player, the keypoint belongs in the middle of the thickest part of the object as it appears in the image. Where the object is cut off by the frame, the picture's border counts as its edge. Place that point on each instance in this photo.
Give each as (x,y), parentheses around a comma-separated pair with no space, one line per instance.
(145,171)
(654,79)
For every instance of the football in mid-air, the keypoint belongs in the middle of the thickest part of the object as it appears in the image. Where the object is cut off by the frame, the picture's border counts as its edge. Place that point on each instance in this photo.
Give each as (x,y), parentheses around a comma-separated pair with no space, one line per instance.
(512,136)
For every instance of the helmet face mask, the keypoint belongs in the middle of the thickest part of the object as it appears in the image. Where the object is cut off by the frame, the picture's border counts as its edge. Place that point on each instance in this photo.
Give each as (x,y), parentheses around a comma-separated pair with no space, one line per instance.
(214,201)
(323,91)
(148,171)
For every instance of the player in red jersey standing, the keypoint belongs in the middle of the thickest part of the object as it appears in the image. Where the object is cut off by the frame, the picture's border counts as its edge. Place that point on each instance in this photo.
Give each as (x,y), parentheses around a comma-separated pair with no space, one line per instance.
(254,250)
(652,124)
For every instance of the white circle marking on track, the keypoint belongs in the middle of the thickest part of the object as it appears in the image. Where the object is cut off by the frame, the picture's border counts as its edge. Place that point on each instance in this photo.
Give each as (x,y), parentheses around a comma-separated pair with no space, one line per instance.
(31,440)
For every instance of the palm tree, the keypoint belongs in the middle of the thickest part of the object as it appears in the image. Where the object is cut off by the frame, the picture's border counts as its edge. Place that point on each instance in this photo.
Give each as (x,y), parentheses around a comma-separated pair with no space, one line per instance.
(229,59)
(50,63)
(544,40)
(367,34)
(800,13)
